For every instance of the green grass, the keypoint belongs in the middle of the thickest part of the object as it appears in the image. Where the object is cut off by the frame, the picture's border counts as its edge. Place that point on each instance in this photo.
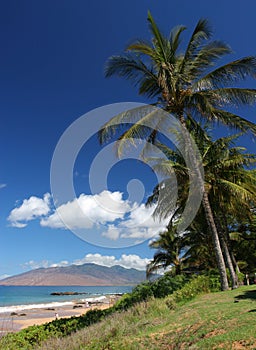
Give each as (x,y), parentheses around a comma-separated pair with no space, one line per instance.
(220,320)
(223,320)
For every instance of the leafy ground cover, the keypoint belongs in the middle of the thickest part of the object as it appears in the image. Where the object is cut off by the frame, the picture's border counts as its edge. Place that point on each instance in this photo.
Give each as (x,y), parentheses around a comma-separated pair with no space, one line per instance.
(222,320)
(219,320)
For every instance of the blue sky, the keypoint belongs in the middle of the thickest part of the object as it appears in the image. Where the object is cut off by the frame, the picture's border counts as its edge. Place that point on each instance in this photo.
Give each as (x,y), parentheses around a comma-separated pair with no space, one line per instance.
(51,69)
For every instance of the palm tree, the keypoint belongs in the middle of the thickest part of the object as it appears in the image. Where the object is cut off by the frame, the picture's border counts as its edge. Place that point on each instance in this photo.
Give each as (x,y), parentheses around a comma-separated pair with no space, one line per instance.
(188,252)
(229,185)
(185,85)
(169,247)
(243,241)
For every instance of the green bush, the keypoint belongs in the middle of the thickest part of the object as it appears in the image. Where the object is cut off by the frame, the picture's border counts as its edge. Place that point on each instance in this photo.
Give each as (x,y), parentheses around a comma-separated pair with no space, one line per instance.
(241,277)
(29,337)
(168,284)
(159,288)
(214,280)
(198,285)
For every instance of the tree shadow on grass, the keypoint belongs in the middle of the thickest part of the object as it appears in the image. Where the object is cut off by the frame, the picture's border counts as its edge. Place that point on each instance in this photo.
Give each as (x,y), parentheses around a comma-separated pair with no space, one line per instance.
(249,294)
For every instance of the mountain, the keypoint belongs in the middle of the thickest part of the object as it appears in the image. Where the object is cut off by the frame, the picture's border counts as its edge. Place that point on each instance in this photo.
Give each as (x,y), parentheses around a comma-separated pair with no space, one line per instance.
(77,275)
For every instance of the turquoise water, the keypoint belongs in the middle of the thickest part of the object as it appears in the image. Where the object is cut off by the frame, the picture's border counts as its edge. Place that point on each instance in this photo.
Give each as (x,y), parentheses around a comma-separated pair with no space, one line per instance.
(25,295)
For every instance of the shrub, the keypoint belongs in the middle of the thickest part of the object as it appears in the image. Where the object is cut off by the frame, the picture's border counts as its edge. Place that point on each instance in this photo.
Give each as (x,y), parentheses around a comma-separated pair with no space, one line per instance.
(159,288)
(214,280)
(29,337)
(167,285)
(198,285)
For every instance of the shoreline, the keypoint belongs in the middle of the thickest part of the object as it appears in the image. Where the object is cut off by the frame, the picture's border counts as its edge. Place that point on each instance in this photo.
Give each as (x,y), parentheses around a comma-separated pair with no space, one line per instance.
(14,322)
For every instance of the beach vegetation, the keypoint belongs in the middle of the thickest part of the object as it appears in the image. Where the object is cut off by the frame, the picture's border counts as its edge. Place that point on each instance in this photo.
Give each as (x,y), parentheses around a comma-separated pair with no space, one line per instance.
(142,293)
(189,318)
(187,83)
(231,187)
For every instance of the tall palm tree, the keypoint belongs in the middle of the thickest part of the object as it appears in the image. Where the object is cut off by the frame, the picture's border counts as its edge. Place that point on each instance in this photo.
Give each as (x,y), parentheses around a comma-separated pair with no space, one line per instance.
(185,84)
(243,241)
(229,185)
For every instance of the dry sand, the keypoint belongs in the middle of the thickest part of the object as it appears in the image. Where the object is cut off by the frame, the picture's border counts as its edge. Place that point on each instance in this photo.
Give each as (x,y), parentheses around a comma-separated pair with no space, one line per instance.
(32,317)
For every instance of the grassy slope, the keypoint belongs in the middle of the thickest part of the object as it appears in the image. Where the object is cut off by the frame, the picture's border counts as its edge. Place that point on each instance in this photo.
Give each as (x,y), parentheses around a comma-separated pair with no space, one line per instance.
(224,320)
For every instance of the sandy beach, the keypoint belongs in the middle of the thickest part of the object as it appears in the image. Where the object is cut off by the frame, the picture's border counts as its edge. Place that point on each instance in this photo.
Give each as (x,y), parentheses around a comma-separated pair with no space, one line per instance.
(25,318)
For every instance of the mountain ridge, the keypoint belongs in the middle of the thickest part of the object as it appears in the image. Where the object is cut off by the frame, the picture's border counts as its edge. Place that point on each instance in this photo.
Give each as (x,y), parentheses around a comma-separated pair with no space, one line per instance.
(88,274)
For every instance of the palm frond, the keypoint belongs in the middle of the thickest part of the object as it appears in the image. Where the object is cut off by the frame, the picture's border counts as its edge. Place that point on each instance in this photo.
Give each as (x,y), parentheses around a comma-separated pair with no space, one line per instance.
(228,74)
(146,128)
(201,32)
(168,168)
(128,117)
(205,58)
(238,190)
(141,46)
(232,120)
(130,67)
(175,39)
(159,40)
(203,106)
(236,97)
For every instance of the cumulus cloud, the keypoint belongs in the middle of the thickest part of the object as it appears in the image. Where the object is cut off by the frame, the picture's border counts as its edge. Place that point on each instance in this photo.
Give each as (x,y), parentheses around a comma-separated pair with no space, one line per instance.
(30,209)
(141,224)
(31,265)
(60,264)
(113,232)
(126,261)
(87,210)
(122,220)
(4,276)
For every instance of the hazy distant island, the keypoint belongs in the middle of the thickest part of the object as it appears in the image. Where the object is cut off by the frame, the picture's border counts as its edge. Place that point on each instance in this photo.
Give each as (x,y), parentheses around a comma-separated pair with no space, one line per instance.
(77,275)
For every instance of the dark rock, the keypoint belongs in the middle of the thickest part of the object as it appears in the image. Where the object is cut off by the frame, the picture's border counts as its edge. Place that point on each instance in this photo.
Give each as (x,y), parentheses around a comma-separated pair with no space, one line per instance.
(67,293)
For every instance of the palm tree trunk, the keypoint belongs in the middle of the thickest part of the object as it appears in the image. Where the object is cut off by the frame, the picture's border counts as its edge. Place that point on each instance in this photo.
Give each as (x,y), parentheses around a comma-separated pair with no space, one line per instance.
(227,237)
(234,262)
(216,242)
(227,256)
(207,209)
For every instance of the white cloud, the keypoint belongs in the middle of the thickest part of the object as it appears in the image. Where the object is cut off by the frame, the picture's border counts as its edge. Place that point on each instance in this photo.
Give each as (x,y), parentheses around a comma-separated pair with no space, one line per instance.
(4,276)
(87,210)
(2,186)
(133,261)
(36,264)
(43,264)
(126,261)
(60,264)
(112,232)
(30,209)
(141,224)
(122,220)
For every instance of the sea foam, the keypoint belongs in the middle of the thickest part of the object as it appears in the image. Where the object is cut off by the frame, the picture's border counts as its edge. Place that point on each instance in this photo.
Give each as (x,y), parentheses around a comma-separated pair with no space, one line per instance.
(17,308)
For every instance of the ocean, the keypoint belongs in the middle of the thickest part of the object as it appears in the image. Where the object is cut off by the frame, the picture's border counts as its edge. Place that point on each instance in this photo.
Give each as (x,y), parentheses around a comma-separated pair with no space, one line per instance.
(17,298)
